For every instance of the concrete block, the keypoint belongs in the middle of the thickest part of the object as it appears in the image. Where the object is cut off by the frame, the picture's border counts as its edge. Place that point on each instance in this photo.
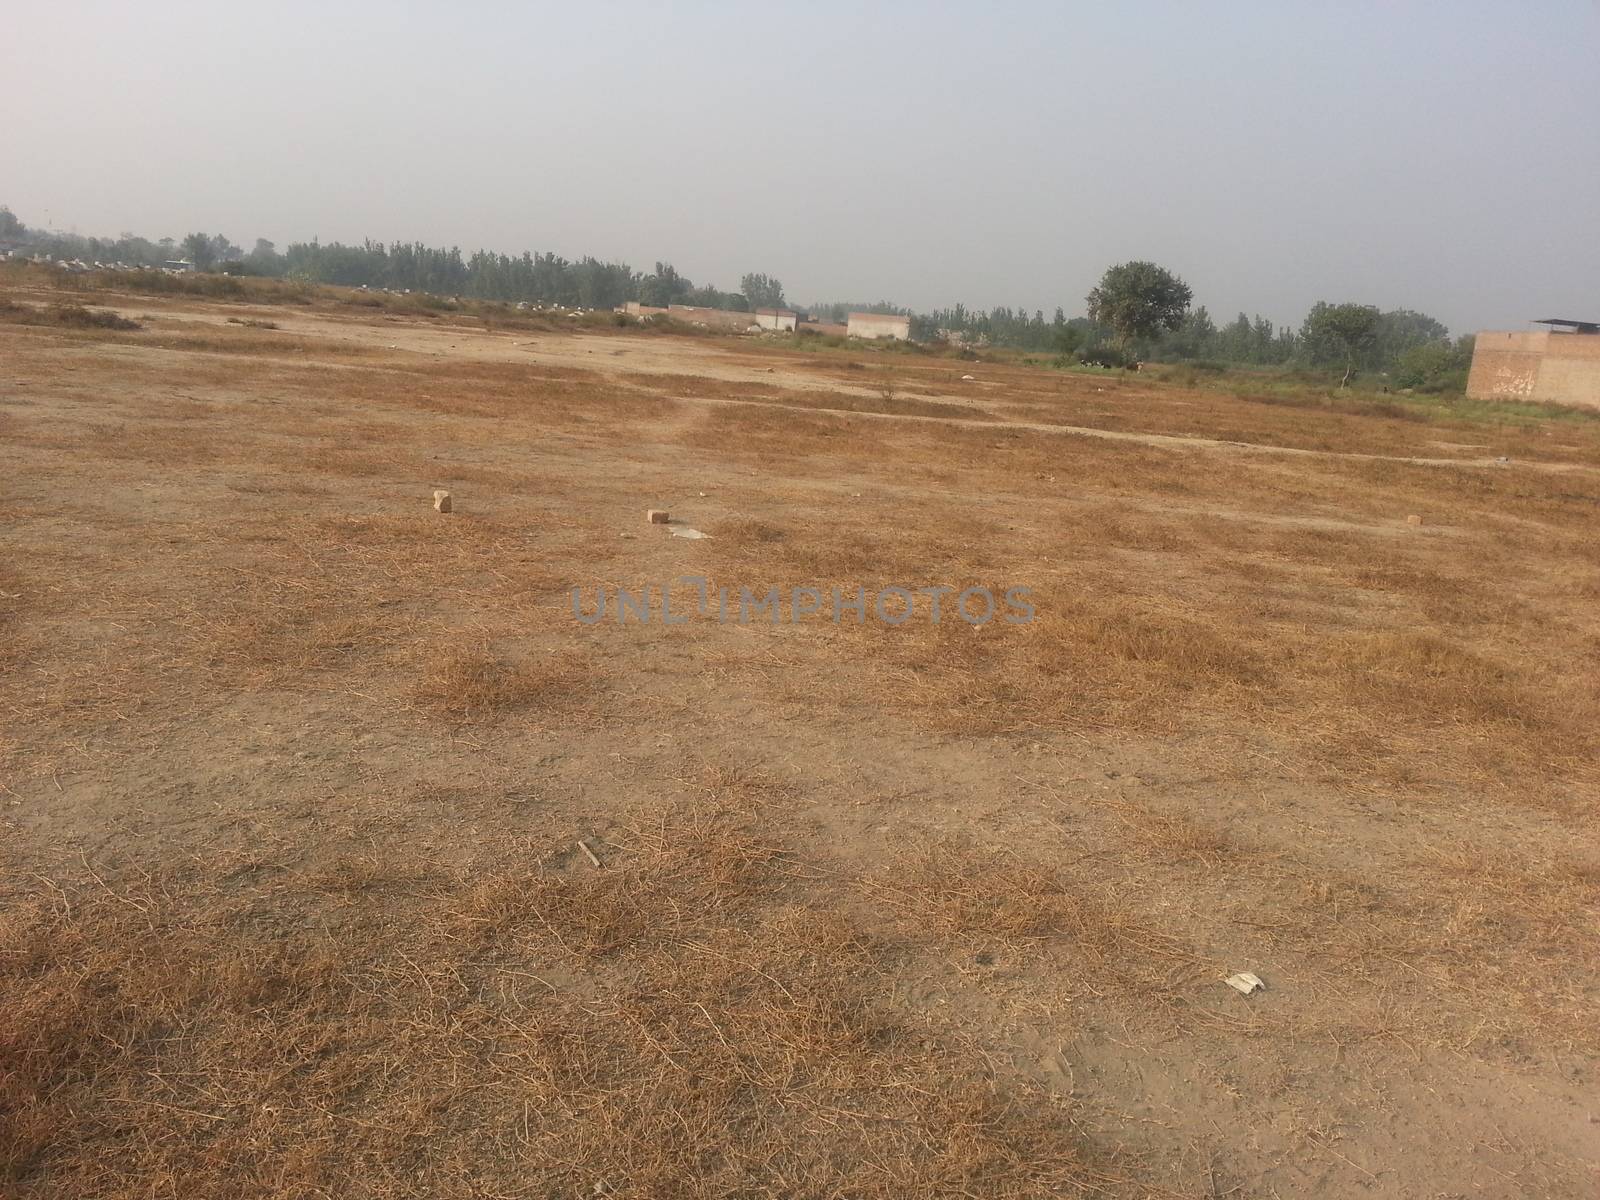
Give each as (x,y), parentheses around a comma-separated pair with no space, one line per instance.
(1413,519)
(656,516)
(441,500)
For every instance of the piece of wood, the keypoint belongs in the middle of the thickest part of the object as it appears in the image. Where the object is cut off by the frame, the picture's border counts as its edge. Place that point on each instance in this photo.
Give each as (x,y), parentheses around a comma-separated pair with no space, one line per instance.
(584,846)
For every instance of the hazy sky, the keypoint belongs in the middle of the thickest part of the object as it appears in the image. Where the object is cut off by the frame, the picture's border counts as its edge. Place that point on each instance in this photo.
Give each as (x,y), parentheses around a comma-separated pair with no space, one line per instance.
(1444,156)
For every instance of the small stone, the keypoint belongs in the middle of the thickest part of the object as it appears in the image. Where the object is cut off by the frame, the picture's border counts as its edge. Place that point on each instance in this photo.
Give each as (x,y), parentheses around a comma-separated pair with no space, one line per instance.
(441,501)
(1413,519)
(656,516)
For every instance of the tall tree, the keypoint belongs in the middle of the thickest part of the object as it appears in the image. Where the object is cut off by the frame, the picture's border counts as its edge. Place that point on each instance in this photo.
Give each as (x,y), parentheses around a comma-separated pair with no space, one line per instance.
(1340,333)
(1139,301)
(197,249)
(1400,330)
(762,291)
(665,286)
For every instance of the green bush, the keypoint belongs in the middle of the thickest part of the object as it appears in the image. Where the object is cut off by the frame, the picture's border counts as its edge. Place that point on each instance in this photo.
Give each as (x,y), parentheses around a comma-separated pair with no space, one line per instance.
(1105,356)
(1439,366)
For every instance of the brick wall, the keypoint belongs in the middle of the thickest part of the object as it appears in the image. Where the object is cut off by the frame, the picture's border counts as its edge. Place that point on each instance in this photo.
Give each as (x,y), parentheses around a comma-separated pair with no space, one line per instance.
(1559,368)
(1505,366)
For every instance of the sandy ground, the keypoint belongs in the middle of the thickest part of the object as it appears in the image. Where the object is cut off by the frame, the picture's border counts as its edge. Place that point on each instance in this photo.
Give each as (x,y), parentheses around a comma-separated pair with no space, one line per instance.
(1262,723)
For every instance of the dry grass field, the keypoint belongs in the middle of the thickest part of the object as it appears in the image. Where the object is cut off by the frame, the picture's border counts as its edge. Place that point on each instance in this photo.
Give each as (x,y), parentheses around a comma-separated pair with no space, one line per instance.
(300,780)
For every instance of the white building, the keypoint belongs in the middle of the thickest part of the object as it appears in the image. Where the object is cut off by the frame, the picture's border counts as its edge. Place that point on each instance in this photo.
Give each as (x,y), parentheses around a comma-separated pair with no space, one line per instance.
(783,320)
(879,325)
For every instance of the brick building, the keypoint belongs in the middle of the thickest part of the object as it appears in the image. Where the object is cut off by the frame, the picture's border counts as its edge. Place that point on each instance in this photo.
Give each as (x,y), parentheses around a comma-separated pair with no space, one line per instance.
(1559,365)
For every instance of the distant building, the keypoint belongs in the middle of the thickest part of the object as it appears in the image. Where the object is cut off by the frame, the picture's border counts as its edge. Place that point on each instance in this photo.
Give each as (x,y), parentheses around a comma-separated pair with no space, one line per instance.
(181,265)
(879,325)
(1559,365)
(783,320)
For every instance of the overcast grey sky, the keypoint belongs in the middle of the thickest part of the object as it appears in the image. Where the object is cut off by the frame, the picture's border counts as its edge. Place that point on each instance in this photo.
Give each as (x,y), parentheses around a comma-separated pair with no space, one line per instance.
(1439,156)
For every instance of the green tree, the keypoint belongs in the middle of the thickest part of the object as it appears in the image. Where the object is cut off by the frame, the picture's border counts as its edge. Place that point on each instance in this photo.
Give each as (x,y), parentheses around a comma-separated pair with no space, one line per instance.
(198,250)
(1139,301)
(665,286)
(763,291)
(1401,330)
(9,225)
(1340,334)
(1195,337)
(265,259)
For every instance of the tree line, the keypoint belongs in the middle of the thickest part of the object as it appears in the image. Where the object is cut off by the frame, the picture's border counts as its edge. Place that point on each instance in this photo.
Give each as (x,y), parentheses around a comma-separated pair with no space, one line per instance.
(1145,310)
(1138,311)
(537,278)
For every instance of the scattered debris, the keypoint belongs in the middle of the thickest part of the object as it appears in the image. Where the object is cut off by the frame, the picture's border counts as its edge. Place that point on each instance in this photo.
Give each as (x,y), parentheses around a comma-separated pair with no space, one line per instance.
(1413,519)
(584,846)
(1245,983)
(685,531)
(629,536)
(1502,459)
(441,501)
(967,379)
(656,516)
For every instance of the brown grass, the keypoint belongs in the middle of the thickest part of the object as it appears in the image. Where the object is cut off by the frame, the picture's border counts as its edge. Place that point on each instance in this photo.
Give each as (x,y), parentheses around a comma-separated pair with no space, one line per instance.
(670,1023)
(331,753)
(958,891)
(475,684)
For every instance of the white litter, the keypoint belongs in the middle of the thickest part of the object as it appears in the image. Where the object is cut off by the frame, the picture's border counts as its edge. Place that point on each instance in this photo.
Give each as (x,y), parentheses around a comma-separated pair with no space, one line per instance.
(967,379)
(685,531)
(1244,982)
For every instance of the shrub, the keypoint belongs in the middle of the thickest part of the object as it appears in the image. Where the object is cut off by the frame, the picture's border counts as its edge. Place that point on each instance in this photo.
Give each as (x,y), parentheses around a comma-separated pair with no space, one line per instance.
(1105,356)
(70,316)
(1435,366)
